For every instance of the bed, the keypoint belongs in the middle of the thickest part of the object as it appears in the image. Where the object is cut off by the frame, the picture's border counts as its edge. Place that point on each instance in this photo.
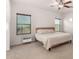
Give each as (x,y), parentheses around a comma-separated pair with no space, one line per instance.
(49,37)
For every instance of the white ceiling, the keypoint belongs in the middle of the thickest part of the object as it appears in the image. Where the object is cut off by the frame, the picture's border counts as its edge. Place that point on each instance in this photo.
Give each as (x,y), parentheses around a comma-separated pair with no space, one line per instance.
(45,4)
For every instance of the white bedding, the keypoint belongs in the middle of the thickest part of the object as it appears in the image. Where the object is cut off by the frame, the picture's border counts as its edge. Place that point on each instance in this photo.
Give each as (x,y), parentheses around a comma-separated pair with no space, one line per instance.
(51,39)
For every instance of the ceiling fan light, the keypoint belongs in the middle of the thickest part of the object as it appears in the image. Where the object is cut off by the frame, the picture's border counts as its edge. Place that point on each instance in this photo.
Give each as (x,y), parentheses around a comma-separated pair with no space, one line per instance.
(60,6)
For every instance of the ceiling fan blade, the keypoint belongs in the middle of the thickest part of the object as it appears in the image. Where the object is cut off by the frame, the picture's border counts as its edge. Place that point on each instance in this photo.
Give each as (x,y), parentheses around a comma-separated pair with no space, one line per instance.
(68,6)
(68,2)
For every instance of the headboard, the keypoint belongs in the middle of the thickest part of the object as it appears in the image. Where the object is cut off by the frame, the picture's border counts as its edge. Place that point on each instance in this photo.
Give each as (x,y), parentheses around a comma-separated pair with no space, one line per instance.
(41,28)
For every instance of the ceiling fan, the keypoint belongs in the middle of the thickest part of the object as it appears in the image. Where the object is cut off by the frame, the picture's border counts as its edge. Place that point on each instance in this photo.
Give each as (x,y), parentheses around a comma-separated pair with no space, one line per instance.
(62,3)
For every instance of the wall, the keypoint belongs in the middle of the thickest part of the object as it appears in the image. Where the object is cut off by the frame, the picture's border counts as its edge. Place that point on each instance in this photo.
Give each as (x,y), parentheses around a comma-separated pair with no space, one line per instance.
(7,24)
(40,18)
(68,25)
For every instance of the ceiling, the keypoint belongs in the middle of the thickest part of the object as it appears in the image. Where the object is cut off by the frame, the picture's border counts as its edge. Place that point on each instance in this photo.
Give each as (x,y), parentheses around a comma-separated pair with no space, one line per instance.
(45,4)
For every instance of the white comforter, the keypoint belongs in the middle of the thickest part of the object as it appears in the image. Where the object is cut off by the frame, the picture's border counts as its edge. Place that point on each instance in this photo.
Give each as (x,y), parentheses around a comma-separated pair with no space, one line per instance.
(51,39)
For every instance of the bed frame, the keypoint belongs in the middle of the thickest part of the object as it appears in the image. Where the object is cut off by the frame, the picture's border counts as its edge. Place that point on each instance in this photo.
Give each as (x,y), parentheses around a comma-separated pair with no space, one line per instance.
(38,28)
(53,28)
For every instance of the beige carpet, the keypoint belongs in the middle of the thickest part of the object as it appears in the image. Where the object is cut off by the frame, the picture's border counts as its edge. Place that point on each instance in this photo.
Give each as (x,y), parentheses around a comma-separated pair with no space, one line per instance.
(35,50)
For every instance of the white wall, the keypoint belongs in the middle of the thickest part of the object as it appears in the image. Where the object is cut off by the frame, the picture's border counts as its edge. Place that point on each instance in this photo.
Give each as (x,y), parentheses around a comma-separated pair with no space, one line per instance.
(67,24)
(7,24)
(39,18)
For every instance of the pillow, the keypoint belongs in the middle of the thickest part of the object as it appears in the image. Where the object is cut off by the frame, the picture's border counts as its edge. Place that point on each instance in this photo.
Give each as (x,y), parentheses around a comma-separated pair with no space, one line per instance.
(45,31)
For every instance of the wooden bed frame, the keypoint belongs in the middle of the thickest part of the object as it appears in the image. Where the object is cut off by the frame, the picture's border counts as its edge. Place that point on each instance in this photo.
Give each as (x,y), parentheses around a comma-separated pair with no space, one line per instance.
(38,28)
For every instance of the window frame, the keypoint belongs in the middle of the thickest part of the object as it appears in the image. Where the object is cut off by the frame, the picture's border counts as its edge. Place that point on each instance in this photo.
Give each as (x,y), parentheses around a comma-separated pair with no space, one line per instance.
(22,24)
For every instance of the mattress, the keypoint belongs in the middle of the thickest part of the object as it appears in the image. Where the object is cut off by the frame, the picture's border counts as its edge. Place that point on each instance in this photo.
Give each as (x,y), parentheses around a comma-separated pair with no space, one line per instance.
(50,39)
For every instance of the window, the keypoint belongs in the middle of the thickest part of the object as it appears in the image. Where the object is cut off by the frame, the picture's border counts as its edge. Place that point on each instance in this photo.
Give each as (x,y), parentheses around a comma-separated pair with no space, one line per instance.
(58,24)
(23,24)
